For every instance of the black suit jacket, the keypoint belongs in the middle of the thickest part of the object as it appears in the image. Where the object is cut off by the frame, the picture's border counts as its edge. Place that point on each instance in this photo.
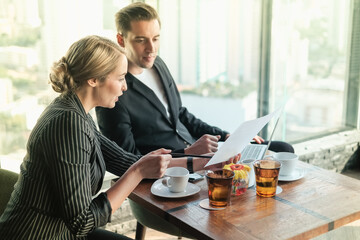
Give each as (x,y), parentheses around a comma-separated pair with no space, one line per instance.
(139,122)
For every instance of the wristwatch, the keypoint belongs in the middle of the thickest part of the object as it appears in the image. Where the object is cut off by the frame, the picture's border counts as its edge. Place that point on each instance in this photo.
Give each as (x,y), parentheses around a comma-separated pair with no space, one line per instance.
(190,165)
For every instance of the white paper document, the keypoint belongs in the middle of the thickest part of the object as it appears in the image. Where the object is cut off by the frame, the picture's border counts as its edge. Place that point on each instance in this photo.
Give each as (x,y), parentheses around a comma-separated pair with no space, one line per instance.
(241,137)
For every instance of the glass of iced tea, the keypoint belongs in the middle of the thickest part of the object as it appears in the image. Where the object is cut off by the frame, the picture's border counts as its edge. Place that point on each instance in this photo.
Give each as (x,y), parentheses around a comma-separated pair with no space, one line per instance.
(219,187)
(266,176)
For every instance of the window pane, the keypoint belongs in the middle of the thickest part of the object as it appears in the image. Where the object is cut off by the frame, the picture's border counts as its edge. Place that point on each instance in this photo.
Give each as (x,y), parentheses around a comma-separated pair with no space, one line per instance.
(212,50)
(34,34)
(309,64)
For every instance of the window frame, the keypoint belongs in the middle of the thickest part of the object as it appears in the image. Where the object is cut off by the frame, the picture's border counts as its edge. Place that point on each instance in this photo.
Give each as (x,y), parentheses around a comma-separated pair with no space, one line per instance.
(353,70)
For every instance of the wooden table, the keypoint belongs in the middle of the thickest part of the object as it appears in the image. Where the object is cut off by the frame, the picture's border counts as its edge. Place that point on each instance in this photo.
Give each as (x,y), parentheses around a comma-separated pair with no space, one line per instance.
(319,202)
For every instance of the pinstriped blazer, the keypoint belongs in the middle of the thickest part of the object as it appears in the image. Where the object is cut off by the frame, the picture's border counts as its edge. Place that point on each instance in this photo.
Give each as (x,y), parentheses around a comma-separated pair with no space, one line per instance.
(63,169)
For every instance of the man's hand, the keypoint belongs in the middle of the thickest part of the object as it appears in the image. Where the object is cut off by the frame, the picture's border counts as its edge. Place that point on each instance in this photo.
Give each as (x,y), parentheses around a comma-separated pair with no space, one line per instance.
(206,144)
(258,139)
(227,136)
(234,160)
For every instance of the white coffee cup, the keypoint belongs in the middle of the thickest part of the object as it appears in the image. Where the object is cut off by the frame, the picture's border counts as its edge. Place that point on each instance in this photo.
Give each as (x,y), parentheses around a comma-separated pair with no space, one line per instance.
(250,163)
(176,179)
(288,162)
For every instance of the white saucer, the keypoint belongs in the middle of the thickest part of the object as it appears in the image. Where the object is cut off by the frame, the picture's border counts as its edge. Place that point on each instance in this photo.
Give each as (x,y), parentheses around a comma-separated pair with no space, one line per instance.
(158,189)
(298,173)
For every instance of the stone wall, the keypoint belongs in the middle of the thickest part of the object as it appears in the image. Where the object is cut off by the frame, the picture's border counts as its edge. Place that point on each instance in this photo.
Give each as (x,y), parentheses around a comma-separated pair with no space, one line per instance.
(122,221)
(330,152)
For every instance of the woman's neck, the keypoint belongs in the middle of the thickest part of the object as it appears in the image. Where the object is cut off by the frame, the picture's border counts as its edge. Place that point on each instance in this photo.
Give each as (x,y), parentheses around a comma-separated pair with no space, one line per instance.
(85,99)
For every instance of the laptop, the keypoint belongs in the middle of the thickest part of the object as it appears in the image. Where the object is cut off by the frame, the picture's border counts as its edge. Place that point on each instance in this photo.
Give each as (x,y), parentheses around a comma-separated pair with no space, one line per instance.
(257,151)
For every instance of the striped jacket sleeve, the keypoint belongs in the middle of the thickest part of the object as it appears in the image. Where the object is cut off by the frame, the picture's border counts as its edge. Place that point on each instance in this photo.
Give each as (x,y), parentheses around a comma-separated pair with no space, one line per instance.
(68,143)
(116,159)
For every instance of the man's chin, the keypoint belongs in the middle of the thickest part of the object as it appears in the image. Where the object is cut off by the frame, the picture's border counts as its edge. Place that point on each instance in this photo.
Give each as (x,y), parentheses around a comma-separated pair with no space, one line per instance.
(148,65)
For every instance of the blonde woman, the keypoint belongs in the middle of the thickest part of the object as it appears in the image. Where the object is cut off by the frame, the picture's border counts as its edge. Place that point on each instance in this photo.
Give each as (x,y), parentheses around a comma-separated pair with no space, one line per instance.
(63,170)
(67,157)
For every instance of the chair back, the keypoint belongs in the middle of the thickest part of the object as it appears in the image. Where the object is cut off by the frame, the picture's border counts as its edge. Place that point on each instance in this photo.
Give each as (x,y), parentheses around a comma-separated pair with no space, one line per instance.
(7,182)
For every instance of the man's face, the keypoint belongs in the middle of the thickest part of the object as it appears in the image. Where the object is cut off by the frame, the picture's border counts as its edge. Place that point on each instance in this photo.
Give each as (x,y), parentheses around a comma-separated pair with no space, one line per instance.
(141,45)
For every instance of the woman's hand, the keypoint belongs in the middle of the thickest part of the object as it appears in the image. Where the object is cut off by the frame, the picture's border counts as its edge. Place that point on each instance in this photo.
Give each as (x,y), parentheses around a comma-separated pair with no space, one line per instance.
(154,164)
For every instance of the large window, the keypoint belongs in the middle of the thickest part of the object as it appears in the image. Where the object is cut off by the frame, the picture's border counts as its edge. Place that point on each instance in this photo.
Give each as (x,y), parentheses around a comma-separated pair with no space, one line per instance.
(237,60)
(309,49)
(212,49)
(232,60)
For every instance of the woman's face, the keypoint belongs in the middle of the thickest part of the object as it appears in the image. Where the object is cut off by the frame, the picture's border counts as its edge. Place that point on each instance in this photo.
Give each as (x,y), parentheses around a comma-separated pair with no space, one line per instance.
(114,85)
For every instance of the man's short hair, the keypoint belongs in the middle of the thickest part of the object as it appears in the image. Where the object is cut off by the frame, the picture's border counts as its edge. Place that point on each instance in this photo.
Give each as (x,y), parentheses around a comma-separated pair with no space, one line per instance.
(137,11)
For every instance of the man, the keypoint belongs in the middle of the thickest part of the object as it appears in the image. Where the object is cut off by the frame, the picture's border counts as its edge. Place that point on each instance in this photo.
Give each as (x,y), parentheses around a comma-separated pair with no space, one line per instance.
(150,115)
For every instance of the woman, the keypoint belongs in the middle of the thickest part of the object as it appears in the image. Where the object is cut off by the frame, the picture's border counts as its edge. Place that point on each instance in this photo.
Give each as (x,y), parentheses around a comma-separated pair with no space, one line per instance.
(67,156)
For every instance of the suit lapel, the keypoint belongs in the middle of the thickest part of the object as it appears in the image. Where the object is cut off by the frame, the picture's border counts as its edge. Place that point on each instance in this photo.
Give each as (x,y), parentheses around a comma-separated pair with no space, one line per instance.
(147,93)
(169,95)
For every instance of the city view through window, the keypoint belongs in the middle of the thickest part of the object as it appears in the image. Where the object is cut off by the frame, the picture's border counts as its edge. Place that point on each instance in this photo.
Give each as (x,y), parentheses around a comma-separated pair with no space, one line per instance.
(212,48)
